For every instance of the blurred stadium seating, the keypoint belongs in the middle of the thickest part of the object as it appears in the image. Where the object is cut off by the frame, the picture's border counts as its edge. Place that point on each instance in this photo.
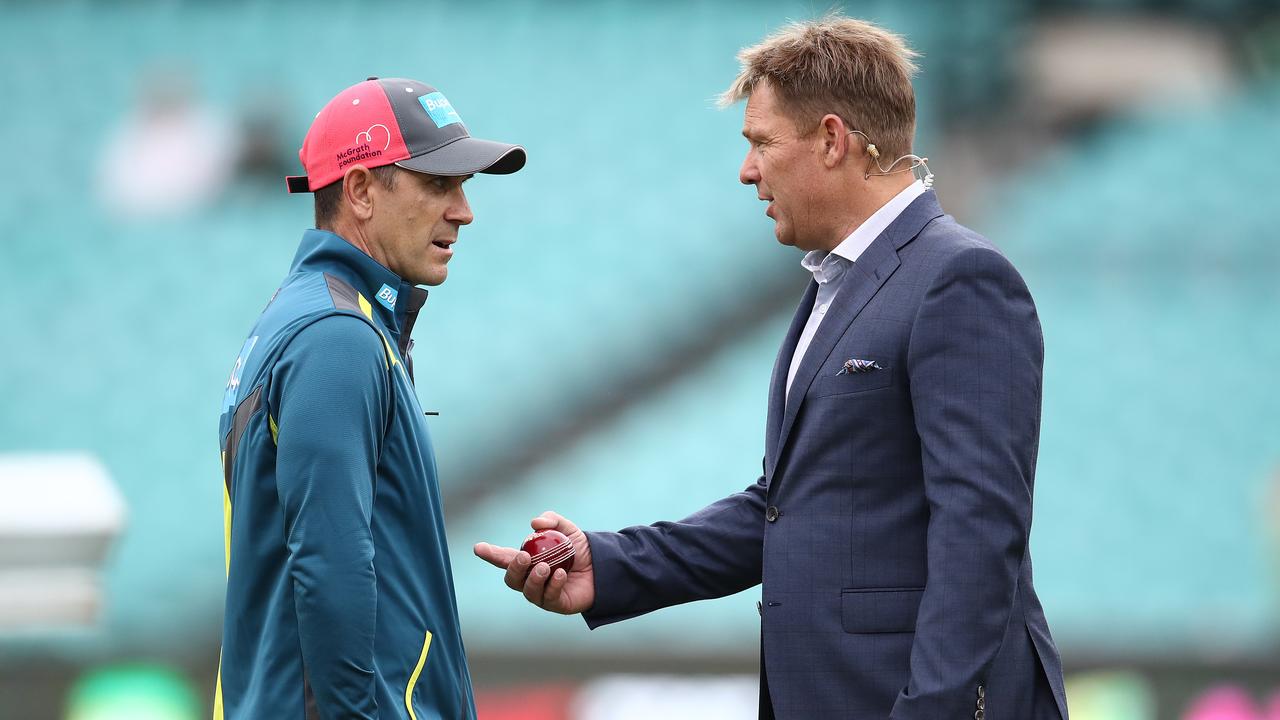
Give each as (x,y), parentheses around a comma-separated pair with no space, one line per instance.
(1153,273)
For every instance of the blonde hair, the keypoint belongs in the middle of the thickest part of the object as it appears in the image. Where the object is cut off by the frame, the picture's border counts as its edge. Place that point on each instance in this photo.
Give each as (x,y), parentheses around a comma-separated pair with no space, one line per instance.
(837,65)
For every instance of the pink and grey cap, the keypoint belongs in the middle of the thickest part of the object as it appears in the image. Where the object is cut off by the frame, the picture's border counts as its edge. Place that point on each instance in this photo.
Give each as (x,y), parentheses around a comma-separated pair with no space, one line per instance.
(395,120)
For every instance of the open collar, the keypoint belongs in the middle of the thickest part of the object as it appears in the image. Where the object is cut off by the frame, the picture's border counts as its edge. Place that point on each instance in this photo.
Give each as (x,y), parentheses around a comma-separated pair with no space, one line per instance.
(393,302)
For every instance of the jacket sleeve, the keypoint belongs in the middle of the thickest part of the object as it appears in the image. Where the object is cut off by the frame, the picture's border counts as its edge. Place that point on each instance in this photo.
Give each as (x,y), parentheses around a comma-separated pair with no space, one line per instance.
(975,362)
(331,393)
(717,551)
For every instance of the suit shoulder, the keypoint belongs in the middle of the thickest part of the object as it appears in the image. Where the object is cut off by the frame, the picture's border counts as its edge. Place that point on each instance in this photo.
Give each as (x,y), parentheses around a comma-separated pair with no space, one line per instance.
(945,244)
(947,237)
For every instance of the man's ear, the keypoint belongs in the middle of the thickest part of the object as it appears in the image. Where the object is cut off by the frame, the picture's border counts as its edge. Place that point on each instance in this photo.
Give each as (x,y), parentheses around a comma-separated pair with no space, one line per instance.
(834,137)
(357,191)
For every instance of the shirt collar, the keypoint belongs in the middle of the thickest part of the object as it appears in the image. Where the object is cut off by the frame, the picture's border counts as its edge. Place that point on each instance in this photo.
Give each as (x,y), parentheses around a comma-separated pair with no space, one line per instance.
(826,267)
(830,266)
(394,302)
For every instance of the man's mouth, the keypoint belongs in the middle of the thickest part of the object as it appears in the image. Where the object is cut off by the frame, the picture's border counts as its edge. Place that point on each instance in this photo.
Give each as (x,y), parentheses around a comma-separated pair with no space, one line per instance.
(769,210)
(443,244)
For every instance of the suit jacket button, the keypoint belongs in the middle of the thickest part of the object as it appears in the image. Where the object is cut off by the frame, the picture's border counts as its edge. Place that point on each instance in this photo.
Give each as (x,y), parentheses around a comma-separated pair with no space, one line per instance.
(771,513)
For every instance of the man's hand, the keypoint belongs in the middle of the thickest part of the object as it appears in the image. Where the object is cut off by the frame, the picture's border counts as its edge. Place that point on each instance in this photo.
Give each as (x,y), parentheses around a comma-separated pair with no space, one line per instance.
(564,593)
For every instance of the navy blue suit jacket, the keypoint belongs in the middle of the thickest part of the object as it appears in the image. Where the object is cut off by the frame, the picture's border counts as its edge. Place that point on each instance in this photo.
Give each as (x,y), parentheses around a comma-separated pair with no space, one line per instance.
(890,526)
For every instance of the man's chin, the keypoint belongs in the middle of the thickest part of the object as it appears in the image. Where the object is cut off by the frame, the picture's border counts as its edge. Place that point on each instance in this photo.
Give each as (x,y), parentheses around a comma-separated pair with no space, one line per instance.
(433,277)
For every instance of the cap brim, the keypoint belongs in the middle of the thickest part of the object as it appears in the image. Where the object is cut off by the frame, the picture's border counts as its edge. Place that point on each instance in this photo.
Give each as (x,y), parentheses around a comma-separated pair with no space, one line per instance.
(467,156)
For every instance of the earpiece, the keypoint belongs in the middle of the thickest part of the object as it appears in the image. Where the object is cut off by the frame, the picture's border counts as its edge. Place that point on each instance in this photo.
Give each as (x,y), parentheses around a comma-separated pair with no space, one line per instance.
(916,162)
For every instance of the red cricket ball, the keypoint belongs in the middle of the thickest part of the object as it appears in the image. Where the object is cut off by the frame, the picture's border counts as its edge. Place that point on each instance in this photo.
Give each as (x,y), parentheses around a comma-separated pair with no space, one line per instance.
(551,547)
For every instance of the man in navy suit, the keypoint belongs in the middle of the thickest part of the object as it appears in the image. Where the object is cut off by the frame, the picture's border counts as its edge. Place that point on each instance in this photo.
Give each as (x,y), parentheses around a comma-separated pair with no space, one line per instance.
(890,526)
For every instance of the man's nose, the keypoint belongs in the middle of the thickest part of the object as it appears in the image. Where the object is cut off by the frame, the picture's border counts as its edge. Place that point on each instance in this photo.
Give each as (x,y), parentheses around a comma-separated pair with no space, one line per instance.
(460,210)
(749,174)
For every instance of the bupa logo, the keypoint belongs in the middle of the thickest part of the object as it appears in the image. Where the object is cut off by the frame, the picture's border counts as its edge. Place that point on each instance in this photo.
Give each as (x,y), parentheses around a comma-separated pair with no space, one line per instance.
(387,296)
(432,103)
(438,107)
(233,382)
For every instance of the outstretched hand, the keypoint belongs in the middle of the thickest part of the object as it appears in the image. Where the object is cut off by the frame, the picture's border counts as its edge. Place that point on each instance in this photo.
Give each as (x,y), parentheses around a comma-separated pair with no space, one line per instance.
(561,592)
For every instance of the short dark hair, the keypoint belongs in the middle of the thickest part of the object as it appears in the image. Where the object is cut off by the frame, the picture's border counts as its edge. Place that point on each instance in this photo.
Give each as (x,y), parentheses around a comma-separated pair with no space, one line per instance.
(329,197)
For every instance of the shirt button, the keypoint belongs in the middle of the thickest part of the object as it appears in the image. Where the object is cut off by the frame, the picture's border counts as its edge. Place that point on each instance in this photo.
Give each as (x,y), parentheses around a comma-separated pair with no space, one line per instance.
(822,309)
(771,513)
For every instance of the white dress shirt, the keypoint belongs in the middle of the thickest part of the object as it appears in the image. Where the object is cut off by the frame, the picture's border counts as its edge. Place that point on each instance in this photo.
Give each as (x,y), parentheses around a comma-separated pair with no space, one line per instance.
(828,268)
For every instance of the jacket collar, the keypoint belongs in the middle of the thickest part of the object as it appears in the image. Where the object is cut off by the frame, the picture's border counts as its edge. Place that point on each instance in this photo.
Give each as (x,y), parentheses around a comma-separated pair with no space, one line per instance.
(394,302)
(857,286)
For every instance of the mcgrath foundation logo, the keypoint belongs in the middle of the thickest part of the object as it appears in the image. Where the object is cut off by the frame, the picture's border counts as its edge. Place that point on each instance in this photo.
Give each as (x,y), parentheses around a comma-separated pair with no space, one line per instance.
(367,135)
(366,146)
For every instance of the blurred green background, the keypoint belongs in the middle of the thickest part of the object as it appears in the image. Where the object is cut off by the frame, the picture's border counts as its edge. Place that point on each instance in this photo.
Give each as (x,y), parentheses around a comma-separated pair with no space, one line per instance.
(604,341)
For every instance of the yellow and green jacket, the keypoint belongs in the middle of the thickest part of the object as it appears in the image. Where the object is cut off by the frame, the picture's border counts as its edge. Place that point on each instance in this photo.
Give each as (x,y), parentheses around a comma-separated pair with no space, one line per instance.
(340,597)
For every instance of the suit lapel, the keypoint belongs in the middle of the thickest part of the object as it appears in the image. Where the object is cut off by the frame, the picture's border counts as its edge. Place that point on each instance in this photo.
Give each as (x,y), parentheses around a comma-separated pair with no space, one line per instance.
(778,384)
(860,283)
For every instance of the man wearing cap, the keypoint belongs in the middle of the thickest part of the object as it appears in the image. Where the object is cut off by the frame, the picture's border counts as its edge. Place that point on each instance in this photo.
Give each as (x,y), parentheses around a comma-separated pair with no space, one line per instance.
(340,599)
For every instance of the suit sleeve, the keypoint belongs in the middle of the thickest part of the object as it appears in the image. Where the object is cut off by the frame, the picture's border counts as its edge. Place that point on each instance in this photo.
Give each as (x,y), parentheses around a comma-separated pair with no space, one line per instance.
(975,363)
(717,551)
(332,395)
